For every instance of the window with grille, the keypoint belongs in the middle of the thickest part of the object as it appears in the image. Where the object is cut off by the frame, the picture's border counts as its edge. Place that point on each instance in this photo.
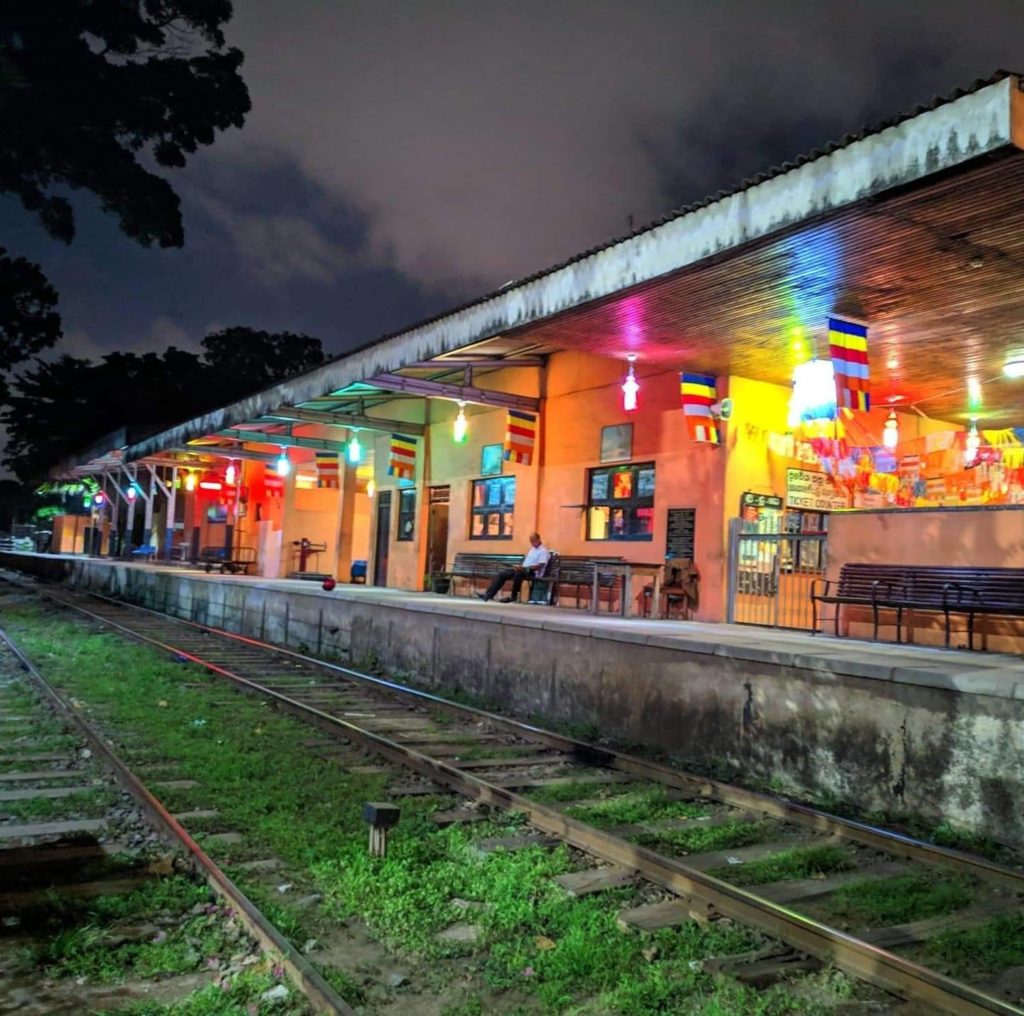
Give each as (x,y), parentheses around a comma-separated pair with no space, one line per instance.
(493,507)
(620,502)
(406,514)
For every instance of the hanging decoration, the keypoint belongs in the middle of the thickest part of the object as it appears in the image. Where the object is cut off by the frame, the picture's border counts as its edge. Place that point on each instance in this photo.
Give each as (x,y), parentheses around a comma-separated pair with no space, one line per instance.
(283,466)
(891,431)
(972,444)
(402,460)
(230,475)
(848,347)
(520,436)
(630,387)
(460,428)
(698,395)
(273,481)
(371,488)
(354,450)
(190,480)
(327,470)
(813,402)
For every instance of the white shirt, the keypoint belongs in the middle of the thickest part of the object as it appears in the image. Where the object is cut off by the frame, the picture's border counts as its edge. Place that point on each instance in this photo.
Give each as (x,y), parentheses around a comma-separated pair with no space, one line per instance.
(537,557)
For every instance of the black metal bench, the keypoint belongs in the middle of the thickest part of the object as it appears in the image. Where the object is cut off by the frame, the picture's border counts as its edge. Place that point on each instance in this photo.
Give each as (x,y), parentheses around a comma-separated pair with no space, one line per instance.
(238,559)
(946,590)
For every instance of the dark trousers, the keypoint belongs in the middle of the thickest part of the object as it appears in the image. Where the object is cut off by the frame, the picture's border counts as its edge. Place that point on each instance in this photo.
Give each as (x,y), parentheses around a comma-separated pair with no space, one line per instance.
(515,574)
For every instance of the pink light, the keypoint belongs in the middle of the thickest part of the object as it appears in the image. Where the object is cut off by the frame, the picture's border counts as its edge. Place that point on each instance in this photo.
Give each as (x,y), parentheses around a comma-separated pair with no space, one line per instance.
(630,388)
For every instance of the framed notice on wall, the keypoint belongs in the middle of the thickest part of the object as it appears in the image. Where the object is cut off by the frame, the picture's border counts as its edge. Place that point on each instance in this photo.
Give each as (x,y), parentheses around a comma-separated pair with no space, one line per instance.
(617,442)
(813,492)
(681,535)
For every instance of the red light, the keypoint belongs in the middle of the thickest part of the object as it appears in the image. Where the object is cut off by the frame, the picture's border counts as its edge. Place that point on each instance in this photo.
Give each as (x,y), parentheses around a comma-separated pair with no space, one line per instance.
(211,485)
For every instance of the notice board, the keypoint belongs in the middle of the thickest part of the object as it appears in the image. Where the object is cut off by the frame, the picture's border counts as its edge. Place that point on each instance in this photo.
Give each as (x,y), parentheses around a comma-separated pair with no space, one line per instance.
(682,530)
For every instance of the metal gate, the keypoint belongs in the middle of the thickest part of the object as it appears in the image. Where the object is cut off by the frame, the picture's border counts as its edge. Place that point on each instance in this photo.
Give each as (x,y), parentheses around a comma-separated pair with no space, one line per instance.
(770,576)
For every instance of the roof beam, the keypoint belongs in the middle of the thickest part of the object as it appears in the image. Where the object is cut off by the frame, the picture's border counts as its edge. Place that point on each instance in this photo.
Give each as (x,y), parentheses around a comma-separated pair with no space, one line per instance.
(458,393)
(217,451)
(282,440)
(480,361)
(291,414)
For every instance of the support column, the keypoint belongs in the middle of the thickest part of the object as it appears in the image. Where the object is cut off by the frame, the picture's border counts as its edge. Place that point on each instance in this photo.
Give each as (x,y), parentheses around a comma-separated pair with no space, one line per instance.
(147,526)
(172,495)
(346,515)
(130,523)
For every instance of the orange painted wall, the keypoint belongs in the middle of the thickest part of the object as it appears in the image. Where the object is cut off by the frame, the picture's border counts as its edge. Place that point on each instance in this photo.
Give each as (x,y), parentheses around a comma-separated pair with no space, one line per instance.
(983,537)
(583,395)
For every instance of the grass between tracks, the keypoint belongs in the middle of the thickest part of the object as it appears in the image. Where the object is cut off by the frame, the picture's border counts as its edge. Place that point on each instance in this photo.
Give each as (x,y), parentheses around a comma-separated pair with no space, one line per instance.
(538,951)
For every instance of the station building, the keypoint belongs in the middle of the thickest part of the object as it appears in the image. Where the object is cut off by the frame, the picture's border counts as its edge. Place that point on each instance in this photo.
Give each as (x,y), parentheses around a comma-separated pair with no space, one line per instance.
(820,366)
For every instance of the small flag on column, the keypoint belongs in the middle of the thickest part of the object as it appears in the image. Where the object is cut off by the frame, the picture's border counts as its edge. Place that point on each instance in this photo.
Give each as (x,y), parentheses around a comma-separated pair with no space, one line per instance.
(698,396)
(327,469)
(520,436)
(848,347)
(402,462)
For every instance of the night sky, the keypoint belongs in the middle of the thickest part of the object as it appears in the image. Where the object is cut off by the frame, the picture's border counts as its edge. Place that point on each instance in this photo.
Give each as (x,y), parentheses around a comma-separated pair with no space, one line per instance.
(403,157)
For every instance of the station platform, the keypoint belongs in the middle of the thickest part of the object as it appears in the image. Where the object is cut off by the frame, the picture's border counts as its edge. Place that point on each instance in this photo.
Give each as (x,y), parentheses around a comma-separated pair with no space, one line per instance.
(894,727)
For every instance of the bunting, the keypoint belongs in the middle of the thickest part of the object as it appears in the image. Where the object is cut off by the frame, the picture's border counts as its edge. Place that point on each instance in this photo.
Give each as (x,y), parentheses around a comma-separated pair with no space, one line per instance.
(698,396)
(520,437)
(402,462)
(327,466)
(848,347)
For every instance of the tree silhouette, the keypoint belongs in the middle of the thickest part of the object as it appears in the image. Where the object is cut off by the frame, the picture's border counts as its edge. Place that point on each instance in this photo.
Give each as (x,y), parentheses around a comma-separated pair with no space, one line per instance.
(95,92)
(58,408)
(28,322)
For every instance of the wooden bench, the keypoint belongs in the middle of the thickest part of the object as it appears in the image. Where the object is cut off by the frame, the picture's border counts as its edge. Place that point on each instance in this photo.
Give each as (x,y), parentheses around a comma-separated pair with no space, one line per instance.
(239,559)
(577,573)
(476,568)
(949,591)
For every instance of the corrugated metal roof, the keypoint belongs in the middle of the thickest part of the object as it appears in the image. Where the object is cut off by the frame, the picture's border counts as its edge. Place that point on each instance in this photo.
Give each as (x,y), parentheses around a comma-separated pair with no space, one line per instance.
(715,228)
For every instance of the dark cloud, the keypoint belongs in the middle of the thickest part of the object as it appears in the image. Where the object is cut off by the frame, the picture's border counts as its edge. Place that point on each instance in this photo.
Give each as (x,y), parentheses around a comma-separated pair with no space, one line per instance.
(404,155)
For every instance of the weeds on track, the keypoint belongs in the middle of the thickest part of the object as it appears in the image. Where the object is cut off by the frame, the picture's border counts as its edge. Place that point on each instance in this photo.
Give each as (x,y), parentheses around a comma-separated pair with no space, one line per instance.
(539,950)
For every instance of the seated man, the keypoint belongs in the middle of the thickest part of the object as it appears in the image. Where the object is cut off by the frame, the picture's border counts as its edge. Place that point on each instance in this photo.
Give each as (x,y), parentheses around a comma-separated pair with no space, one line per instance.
(534,563)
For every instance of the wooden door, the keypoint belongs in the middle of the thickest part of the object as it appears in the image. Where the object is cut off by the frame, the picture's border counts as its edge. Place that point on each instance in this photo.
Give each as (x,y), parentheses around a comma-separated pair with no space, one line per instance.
(383,539)
(437,530)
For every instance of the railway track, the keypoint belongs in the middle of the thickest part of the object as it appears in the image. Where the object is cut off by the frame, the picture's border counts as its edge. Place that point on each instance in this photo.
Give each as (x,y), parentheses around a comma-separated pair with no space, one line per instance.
(568,789)
(53,863)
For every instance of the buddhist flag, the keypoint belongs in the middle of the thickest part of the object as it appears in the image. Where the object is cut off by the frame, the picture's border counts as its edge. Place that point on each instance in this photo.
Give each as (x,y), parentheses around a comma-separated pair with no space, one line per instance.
(848,347)
(698,396)
(520,437)
(402,462)
(327,466)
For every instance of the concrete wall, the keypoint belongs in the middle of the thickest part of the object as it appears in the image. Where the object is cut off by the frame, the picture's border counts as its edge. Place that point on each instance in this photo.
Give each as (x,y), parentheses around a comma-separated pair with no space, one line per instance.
(882,737)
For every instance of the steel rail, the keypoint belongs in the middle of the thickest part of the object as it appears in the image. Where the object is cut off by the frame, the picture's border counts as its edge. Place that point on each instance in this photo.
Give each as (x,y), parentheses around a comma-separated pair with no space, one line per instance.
(875,837)
(854,956)
(321,996)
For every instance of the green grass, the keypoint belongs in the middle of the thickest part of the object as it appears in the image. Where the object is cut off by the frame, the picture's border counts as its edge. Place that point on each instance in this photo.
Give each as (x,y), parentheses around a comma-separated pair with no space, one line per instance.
(578,790)
(800,862)
(563,955)
(731,835)
(86,947)
(86,804)
(879,902)
(238,998)
(986,949)
(636,806)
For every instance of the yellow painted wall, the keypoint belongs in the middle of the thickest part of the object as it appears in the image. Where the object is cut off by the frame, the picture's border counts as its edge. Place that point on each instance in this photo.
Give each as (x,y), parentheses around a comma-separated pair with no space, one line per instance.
(758,408)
